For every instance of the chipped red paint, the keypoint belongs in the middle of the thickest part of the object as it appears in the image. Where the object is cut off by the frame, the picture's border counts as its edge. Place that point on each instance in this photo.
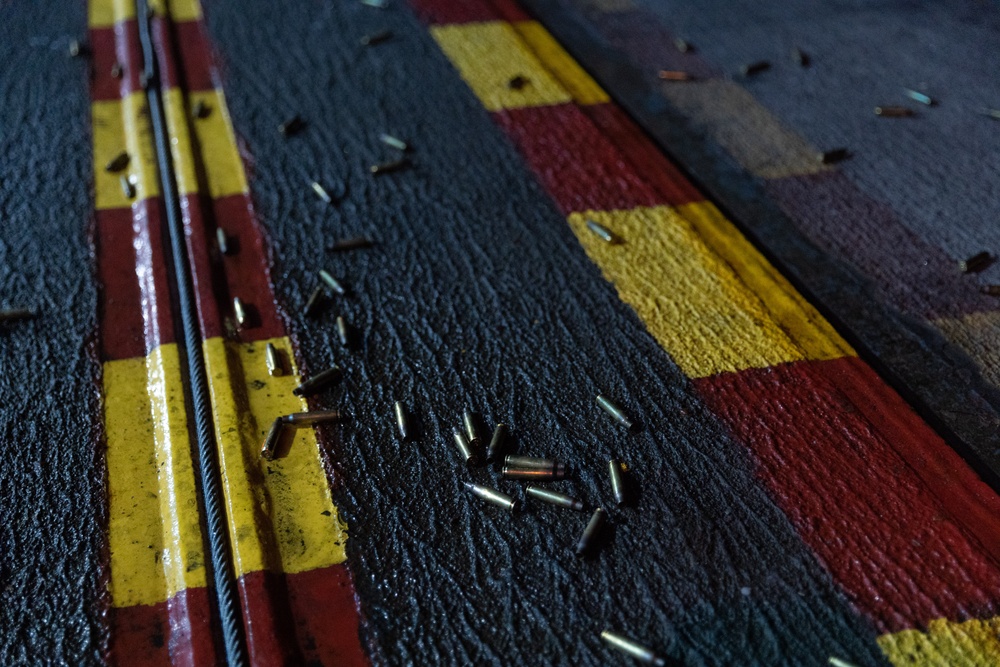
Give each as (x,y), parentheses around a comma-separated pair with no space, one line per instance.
(644,156)
(304,618)
(575,161)
(175,633)
(467,11)
(118,44)
(132,269)
(906,528)
(191,68)
(244,273)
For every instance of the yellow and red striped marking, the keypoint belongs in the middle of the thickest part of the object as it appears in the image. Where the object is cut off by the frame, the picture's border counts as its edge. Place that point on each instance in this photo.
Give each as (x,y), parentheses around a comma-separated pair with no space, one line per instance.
(839,451)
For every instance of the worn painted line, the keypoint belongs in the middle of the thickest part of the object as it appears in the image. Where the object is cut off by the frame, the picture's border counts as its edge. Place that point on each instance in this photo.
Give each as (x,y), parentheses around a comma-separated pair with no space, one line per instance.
(123,125)
(488,55)
(904,526)
(154,528)
(579,84)
(713,303)
(972,643)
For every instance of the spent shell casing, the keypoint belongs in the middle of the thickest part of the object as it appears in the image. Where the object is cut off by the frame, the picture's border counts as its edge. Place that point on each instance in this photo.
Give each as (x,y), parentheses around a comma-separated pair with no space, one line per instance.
(614,411)
(602,232)
(632,648)
(332,282)
(592,533)
(535,474)
(674,75)
(318,382)
(117,163)
(222,241)
(617,481)
(321,192)
(239,311)
(917,96)
(894,112)
(75,48)
(978,262)
(465,449)
(393,142)
(989,113)
(377,4)
(16,314)
(518,82)
(536,462)
(834,155)
(494,496)
(683,45)
(376,38)
(116,70)
(354,243)
(755,68)
(312,305)
(837,662)
(343,332)
(554,497)
(497,443)
(402,421)
(800,57)
(127,188)
(990,290)
(471,421)
(271,441)
(273,360)
(201,109)
(299,419)
(291,126)
(390,166)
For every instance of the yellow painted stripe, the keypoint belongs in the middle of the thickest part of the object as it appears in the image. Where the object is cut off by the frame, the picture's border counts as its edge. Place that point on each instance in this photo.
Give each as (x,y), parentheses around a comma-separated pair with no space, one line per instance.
(154,529)
(105,13)
(560,64)
(281,514)
(123,125)
(709,298)
(488,55)
(945,644)
(211,148)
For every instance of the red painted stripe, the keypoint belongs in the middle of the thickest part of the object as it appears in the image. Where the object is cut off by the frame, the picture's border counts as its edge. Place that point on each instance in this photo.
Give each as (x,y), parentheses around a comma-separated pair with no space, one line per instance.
(244,273)
(645,157)
(304,618)
(132,269)
(175,633)
(900,521)
(183,53)
(575,161)
(443,12)
(118,44)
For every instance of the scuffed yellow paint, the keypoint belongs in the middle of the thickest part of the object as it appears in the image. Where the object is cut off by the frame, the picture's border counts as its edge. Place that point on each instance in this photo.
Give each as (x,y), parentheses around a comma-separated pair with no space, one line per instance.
(210,148)
(105,13)
(972,643)
(123,125)
(154,531)
(706,295)
(281,514)
(488,55)
(560,64)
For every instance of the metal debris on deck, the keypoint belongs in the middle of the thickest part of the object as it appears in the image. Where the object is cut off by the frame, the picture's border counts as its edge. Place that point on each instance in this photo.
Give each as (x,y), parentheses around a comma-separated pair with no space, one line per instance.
(318,382)
(533,474)
(127,188)
(989,113)
(497,443)
(201,109)
(299,419)
(353,243)
(617,481)
(755,68)
(471,423)
(343,332)
(602,232)
(390,166)
(402,421)
(469,457)
(393,142)
(616,413)
(239,311)
(978,262)
(271,441)
(801,57)
(222,241)
(16,315)
(117,163)
(272,359)
(518,82)
(494,496)
(990,290)
(116,70)
(917,96)
(554,498)
(834,155)
(894,112)
(632,648)
(321,191)
(683,45)
(314,301)
(291,126)
(376,38)
(592,533)
(674,75)
(332,282)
